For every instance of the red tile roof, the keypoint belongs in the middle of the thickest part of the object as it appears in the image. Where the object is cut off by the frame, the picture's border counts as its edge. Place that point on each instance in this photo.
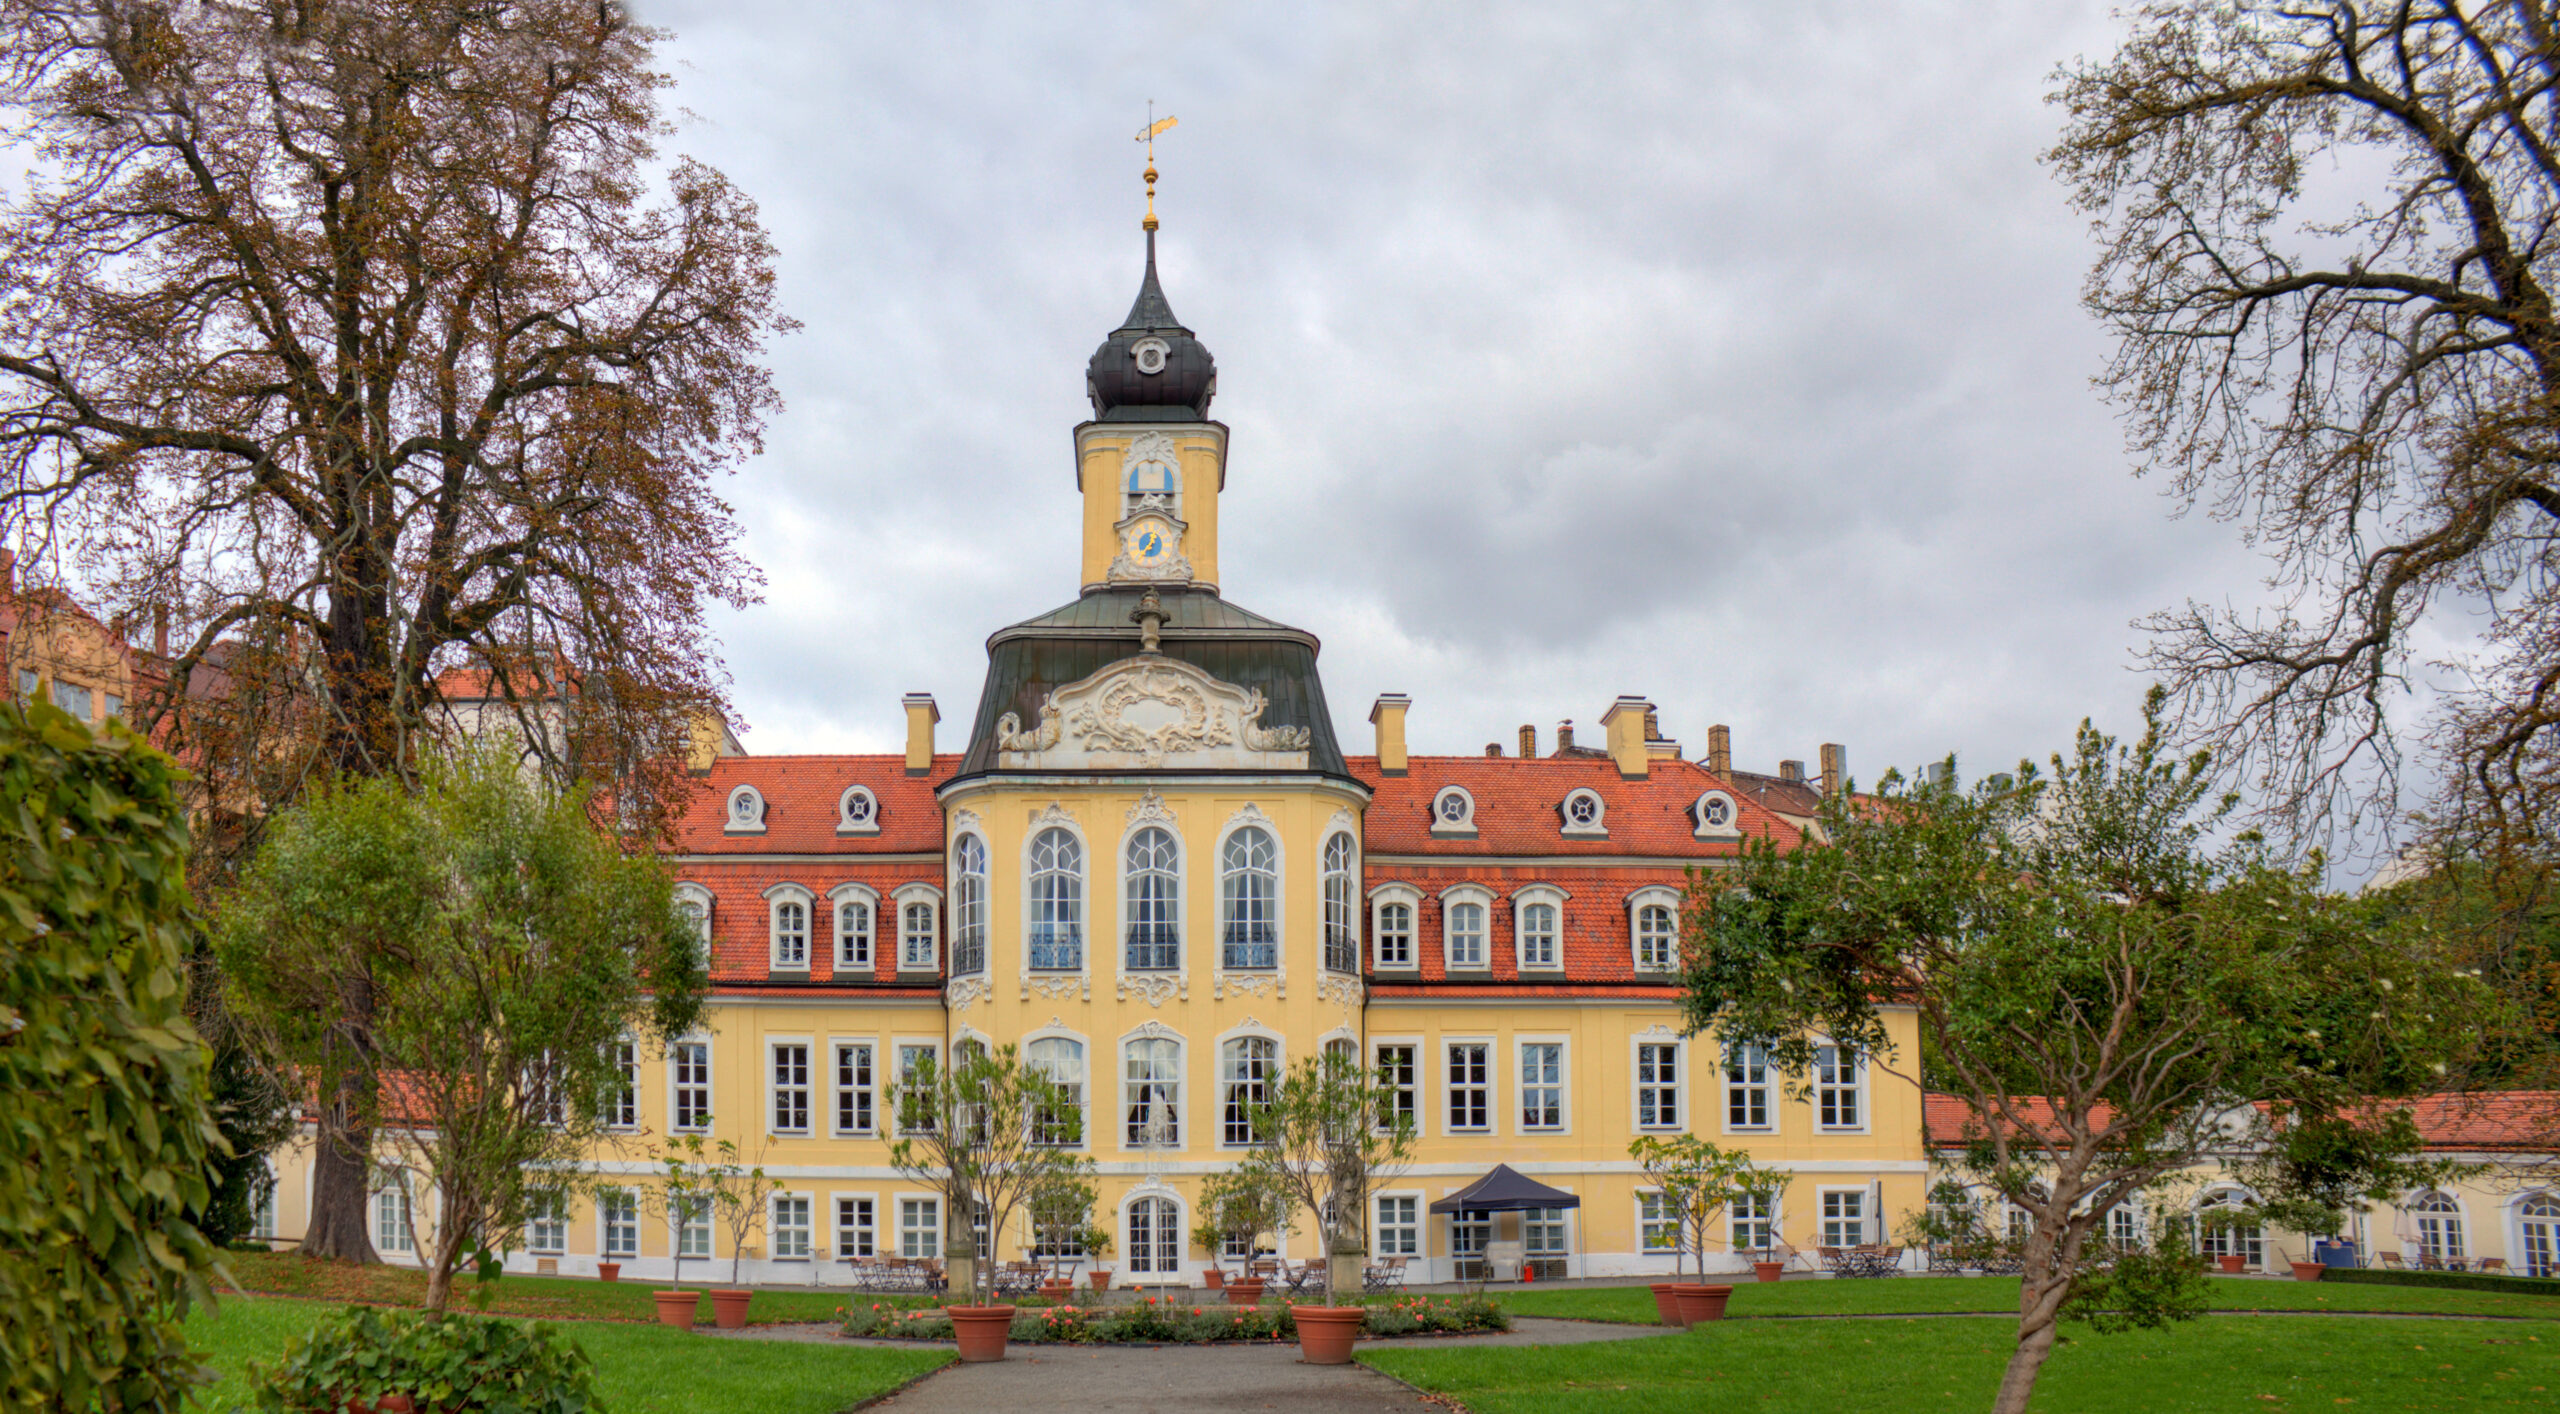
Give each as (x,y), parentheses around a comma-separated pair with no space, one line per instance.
(1519,804)
(2490,1120)
(800,794)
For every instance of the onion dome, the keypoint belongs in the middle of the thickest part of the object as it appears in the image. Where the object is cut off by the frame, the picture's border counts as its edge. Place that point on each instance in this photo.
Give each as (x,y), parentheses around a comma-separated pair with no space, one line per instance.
(1151,369)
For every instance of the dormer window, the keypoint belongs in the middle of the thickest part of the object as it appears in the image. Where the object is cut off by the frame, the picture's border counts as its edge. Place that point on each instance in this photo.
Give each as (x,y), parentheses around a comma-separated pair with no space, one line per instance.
(1453,814)
(790,927)
(1465,928)
(1392,908)
(1584,814)
(858,812)
(1716,816)
(746,812)
(1537,927)
(694,902)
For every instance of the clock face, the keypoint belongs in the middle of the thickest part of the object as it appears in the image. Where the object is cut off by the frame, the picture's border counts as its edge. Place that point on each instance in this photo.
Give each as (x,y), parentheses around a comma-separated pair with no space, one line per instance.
(1148,541)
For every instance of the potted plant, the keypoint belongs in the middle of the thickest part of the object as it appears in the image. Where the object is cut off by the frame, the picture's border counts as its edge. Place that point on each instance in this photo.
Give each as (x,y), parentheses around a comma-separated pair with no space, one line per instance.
(1096,1240)
(988,1132)
(1698,1181)
(688,1192)
(1236,1209)
(608,1271)
(737,1193)
(1764,1187)
(1327,1132)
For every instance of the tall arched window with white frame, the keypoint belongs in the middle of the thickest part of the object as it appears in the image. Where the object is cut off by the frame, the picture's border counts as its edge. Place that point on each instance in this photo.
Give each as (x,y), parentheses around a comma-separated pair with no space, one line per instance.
(1056,940)
(1539,934)
(790,934)
(853,934)
(2439,1223)
(1151,1098)
(1152,872)
(1061,1059)
(969,907)
(1341,919)
(1657,929)
(1247,1067)
(1249,900)
(2538,1217)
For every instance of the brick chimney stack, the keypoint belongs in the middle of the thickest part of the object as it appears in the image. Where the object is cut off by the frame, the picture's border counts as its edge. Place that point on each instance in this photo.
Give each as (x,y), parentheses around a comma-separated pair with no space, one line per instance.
(1564,736)
(1835,768)
(1792,772)
(1720,751)
(1493,748)
(1528,742)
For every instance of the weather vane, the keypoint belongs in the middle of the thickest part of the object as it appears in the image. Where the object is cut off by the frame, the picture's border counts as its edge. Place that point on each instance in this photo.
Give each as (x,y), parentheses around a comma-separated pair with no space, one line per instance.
(1148,136)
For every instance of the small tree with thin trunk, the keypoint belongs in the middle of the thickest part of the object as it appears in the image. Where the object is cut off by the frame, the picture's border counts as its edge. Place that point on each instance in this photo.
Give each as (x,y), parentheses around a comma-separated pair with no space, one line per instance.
(737,1192)
(2097,977)
(1330,1131)
(692,1187)
(1239,1205)
(1698,1180)
(988,1132)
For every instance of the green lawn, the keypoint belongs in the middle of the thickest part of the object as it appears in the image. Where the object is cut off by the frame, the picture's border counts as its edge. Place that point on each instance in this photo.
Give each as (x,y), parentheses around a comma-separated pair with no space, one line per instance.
(1823,1367)
(551,1298)
(639,1369)
(1915,1295)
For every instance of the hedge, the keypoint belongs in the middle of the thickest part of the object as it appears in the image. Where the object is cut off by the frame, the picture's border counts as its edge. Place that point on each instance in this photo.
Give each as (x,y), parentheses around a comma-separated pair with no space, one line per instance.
(2467,1281)
(1166,1320)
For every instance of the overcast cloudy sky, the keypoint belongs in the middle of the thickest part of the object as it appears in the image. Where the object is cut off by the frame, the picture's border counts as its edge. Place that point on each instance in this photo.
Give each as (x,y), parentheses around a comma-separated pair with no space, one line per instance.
(1722,353)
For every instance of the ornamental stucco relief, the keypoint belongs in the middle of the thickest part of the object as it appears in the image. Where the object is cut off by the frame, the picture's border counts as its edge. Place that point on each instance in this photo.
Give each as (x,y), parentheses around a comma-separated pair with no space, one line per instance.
(1145,712)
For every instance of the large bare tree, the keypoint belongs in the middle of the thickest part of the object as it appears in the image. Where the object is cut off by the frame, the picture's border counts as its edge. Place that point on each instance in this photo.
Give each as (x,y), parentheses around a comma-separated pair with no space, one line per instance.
(2327,253)
(368,339)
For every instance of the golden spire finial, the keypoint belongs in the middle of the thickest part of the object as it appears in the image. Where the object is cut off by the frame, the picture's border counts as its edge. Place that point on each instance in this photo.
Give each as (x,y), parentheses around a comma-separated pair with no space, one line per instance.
(1148,136)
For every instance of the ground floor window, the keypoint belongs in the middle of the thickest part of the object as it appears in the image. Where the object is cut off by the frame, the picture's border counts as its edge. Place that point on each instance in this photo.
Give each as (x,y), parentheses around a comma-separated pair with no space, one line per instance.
(791,1228)
(2214,1240)
(1542,1242)
(854,1235)
(546,1225)
(693,1227)
(1469,1235)
(2541,1250)
(619,1210)
(392,1231)
(262,1218)
(1755,1222)
(2439,1226)
(1399,1227)
(1155,1237)
(2124,1227)
(919,1228)
(1844,1219)
(1657,1227)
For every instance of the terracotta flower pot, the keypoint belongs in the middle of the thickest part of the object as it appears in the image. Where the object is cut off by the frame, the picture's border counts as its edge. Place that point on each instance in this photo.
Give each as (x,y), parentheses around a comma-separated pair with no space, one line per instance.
(678,1308)
(1056,1288)
(2233,1264)
(1325,1333)
(1700,1301)
(1215,1278)
(608,1271)
(1101,1280)
(980,1330)
(729,1308)
(1665,1305)
(387,1404)
(2308,1271)
(1768,1271)
(1248,1292)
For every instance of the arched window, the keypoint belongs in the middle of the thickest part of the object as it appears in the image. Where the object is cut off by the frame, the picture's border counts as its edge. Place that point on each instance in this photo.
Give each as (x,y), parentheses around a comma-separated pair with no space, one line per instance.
(1537,929)
(1464,947)
(1151,1101)
(2540,1218)
(1154,878)
(1155,1237)
(2246,1240)
(969,909)
(790,934)
(1249,898)
(2439,1221)
(693,902)
(1247,1066)
(853,934)
(1656,930)
(1062,1060)
(1341,928)
(917,937)
(1057,902)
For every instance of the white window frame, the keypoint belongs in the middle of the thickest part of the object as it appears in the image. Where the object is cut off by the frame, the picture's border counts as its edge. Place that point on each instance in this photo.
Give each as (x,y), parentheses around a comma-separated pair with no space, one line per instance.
(1822,1215)
(907,1203)
(866,1095)
(857,811)
(1179,881)
(860,1238)
(1416,1229)
(1084,1086)
(969,916)
(776,1088)
(841,899)
(1678,1084)
(909,896)
(776,899)
(677,1085)
(1595,828)
(1411,899)
(1492,1048)
(1647,1226)
(622,1108)
(1079,875)
(1339,896)
(1252,818)
(546,1224)
(743,813)
(1452,899)
(1856,1090)
(1153,1264)
(1276,1069)
(1735,1220)
(609,1204)
(2451,1239)
(1181,1087)
(2536,1244)
(392,1202)
(690,897)
(1563,1086)
(896,1073)
(1730,828)
(1653,895)
(1522,900)
(806,1229)
(1462,825)
(1765,1087)
(1416,1046)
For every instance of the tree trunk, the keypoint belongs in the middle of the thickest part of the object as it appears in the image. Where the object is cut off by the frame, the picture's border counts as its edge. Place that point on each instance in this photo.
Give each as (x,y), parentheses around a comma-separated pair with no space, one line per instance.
(2040,1293)
(341,1175)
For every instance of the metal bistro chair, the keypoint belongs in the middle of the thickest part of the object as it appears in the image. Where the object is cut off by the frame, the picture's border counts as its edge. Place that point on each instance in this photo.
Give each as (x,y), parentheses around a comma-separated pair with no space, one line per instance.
(1384,1274)
(2393,1261)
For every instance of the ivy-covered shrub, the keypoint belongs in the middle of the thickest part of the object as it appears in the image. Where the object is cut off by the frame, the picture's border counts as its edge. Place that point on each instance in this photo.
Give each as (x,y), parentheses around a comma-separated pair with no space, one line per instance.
(106,1139)
(449,1364)
(1170,1320)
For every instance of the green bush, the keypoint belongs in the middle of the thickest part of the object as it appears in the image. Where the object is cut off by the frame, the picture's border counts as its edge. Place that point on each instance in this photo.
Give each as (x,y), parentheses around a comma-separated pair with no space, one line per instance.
(1167,1320)
(106,1140)
(2466,1281)
(448,1364)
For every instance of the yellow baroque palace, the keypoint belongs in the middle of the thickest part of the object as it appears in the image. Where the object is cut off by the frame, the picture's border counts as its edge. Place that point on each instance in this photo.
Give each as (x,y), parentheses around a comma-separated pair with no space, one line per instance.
(1155,870)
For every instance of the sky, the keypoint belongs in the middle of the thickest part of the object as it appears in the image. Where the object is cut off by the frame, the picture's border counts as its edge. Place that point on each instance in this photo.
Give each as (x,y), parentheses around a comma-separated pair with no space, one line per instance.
(1724,354)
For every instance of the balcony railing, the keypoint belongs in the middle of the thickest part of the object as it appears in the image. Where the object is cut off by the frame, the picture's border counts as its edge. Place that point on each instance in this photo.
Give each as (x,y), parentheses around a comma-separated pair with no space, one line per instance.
(1153,947)
(1251,945)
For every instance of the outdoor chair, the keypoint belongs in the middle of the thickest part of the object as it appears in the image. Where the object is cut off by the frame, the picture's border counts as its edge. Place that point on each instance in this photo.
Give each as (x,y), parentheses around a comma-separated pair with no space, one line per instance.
(1306,1276)
(2392,1261)
(1017,1278)
(2493,1264)
(1384,1274)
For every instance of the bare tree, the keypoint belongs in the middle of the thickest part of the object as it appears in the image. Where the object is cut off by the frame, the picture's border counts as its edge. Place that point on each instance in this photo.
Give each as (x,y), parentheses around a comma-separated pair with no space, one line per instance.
(365,340)
(2326,238)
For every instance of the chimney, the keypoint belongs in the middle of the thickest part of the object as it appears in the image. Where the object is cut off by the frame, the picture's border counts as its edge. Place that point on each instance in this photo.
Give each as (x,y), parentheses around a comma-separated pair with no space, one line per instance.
(1387,715)
(1493,748)
(160,629)
(1564,737)
(921,715)
(1528,742)
(1720,751)
(1792,772)
(1835,768)
(1625,723)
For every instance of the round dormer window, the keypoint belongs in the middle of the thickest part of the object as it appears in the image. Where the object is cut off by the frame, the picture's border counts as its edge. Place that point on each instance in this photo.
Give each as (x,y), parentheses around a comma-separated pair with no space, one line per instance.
(1716,814)
(1150,354)
(746,807)
(1453,809)
(1583,810)
(859,809)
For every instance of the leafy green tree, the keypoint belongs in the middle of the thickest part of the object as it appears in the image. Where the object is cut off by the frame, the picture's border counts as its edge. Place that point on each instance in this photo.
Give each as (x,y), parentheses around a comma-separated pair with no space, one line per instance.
(506,950)
(106,1137)
(1330,1131)
(1239,1206)
(2096,971)
(1699,1180)
(988,1132)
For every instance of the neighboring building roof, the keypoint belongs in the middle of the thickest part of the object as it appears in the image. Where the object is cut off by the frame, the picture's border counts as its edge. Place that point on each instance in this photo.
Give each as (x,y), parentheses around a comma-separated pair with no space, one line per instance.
(1801,800)
(1029,660)
(1519,807)
(2484,1121)
(800,795)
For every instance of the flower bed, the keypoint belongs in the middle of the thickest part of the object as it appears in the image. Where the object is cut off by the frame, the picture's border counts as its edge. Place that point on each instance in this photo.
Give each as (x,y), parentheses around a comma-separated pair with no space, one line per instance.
(1158,1320)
